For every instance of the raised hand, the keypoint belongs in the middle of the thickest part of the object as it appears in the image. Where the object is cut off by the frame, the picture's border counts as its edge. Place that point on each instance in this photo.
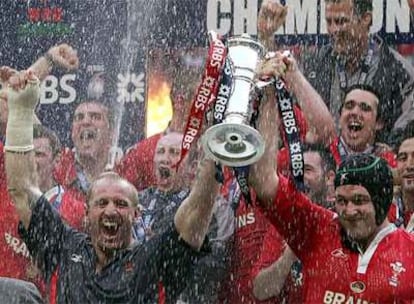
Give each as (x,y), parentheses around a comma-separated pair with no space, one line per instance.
(64,56)
(23,90)
(271,16)
(277,64)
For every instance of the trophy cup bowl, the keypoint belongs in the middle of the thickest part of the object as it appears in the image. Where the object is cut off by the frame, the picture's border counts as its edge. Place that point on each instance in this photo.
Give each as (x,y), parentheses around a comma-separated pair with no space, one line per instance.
(234,142)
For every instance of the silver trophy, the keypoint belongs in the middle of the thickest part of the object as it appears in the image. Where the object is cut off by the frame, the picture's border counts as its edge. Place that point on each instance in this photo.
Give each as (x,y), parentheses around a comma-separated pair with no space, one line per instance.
(234,142)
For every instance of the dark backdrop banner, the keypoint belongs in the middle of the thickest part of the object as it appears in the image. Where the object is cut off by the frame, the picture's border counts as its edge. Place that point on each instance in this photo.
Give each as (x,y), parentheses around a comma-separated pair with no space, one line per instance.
(113,37)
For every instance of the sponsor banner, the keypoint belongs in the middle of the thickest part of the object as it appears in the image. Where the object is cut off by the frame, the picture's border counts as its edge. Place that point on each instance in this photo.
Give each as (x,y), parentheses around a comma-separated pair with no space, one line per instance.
(305,21)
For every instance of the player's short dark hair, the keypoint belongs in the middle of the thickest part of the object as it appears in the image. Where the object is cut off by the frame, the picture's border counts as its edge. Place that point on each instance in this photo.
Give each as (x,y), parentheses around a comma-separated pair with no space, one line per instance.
(328,161)
(401,134)
(110,111)
(40,131)
(369,88)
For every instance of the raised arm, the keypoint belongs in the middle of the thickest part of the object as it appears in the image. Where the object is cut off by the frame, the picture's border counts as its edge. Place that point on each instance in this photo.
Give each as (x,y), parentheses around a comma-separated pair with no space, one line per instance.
(263,177)
(320,120)
(194,215)
(271,17)
(23,94)
(62,56)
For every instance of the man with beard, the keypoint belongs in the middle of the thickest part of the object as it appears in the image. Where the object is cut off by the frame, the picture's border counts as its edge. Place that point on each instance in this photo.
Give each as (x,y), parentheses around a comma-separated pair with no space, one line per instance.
(92,131)
(353,57)
(404,198)
(353,256)
(278,272)
(104,266)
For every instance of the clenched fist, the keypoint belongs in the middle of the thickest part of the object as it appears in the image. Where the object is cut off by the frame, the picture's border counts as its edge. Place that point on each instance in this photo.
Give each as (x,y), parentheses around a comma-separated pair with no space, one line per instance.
(64,56)
(271,17)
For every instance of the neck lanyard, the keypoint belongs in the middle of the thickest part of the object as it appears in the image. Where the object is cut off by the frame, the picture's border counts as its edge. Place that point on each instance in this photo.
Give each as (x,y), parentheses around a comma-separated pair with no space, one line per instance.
(366,64)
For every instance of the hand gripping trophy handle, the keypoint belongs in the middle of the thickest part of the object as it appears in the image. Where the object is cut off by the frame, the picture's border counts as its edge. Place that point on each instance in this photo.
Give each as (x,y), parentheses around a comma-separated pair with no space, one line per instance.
(234,142)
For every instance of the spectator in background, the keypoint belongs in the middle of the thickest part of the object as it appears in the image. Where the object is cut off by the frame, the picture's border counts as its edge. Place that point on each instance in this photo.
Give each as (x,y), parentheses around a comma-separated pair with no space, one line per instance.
(354,255)
(92,131)
(278,272)
(137,164)
(353,57)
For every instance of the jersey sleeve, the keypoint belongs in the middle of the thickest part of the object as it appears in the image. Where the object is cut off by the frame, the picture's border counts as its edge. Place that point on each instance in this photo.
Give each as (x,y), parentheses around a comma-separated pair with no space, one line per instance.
(297,218)
(45,237)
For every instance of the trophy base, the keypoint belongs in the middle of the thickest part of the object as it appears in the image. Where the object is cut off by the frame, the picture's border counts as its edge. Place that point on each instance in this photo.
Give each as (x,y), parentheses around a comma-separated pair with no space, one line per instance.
(233,145)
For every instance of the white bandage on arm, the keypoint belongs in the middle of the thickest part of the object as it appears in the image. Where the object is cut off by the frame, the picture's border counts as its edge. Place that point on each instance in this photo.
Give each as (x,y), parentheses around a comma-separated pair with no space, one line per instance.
(21,105)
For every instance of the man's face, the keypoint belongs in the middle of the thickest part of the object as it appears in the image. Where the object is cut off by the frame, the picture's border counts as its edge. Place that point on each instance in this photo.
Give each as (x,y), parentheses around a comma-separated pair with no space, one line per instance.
(356,211)
(111,214)
(344,26)
(167,154)
(44,158)
(358,120)
(405,164)
(91,133)
(314,177)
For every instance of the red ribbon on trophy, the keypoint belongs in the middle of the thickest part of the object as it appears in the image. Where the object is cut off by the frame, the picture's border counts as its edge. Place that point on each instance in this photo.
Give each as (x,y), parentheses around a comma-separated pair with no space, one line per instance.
(206,93)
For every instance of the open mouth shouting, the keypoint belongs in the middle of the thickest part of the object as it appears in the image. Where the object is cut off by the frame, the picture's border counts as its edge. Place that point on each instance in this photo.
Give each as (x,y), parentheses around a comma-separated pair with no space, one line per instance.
(88,135)
(110,232)
(355,126)
(164,172)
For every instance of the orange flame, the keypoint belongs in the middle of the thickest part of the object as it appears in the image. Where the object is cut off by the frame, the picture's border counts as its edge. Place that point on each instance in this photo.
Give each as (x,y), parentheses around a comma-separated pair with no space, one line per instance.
(159,108)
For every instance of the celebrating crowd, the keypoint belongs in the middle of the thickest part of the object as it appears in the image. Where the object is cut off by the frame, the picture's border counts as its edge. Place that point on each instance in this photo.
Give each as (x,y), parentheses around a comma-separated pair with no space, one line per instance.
(157,229)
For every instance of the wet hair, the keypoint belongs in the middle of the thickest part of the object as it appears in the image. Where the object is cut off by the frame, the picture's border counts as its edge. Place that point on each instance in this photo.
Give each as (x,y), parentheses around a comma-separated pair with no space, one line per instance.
(368,88)
(113,177)
(328,161)
(360,6)
(40,131)
(401,134)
